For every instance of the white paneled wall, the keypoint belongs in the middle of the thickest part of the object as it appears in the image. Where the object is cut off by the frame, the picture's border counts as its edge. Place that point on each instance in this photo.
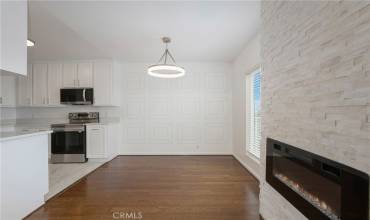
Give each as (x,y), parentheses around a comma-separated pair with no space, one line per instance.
(189,115)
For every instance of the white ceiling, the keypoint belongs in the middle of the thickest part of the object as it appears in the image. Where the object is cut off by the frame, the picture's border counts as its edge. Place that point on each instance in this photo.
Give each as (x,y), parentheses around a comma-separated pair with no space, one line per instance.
(131,31)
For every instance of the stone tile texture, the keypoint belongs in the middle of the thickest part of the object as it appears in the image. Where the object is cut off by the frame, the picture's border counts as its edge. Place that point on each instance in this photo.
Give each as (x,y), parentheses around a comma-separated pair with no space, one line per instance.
(316,85)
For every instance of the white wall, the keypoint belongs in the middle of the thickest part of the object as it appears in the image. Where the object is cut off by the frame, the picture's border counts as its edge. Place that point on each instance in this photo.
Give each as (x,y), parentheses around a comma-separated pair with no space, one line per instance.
(189,115)
(248,60)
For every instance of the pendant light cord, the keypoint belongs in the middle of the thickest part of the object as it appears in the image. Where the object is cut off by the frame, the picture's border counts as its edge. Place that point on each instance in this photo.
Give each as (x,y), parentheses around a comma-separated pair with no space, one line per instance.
(165,58)
(165,55)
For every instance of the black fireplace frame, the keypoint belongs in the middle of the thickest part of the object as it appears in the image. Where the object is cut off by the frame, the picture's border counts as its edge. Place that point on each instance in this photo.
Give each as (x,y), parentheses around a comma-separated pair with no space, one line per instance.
(354,183)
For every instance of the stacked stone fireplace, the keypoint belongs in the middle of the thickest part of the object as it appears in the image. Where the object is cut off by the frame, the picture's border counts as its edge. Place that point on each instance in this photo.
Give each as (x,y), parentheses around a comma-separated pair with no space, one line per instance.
(315,93)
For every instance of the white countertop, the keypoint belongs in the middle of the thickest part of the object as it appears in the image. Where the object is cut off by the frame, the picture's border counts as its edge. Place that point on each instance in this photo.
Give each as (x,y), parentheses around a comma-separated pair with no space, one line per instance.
(12,135)
(30,127)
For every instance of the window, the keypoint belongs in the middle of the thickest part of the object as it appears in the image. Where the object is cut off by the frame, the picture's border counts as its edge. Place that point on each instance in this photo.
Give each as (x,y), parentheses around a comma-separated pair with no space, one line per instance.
(255,113)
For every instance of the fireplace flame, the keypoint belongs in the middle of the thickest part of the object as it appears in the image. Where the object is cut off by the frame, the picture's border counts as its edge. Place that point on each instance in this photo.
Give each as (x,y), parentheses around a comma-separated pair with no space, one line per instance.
(313,199)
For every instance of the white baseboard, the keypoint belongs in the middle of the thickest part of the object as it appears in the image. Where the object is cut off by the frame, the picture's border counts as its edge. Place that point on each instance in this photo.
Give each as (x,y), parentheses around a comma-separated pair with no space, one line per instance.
(253,172)
(175,153)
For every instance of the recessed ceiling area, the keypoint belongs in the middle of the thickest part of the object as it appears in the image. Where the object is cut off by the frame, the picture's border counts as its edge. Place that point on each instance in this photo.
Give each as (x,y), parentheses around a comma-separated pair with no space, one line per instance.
(131,31)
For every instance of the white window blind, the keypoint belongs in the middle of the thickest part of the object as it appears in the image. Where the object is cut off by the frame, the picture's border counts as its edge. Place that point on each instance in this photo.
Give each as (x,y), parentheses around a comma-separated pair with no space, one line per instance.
(255,122)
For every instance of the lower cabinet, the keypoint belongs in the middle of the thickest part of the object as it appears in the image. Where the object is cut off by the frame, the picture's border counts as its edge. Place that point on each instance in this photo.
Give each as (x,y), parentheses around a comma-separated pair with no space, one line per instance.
(102,140)
(24,175)
(95,141)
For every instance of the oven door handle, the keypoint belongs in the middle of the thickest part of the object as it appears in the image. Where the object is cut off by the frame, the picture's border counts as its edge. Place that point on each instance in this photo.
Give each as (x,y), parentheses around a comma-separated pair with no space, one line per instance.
(68,130)
(84,94)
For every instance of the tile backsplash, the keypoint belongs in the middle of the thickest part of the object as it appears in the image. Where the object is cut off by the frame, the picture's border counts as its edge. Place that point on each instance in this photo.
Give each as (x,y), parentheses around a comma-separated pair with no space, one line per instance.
(46,116)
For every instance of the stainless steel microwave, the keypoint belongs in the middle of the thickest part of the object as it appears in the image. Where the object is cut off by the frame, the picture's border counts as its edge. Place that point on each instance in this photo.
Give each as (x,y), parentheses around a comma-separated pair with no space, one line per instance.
(77,96)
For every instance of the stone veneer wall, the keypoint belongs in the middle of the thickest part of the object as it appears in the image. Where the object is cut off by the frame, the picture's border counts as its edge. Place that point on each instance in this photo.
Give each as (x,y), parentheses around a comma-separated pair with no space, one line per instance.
(316,85)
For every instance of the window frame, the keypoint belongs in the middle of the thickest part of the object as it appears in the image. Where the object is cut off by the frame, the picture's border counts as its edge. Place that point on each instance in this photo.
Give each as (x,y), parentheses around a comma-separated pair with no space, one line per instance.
(250,114)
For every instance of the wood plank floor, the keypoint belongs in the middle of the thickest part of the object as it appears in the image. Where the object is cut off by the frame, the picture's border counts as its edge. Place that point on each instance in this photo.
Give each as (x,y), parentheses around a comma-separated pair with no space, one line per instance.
(159,187)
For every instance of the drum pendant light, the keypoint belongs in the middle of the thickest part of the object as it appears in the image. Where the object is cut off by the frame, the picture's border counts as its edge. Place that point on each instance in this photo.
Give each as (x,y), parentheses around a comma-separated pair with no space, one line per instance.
(163,69)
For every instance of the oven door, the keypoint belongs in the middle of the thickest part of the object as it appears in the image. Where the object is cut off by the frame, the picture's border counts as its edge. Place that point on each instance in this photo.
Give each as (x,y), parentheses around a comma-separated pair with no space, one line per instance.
(68,142)
(68,146)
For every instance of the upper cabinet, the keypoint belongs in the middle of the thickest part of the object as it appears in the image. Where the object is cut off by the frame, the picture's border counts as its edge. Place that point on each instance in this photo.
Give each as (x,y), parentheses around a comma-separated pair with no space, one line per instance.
(77,74)
(69,75)
(25,88)
(54,83)
(106,83)
(42,86)
(47,81)
(13,36)
(85,75)
(102,83)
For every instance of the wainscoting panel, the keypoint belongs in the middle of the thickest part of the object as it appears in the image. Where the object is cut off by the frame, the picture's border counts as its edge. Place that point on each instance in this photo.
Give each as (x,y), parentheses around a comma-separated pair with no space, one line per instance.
(189,115)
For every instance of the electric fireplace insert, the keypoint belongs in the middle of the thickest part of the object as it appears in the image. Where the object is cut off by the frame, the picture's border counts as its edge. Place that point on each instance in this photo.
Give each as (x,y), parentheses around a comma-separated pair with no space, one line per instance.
(318,187)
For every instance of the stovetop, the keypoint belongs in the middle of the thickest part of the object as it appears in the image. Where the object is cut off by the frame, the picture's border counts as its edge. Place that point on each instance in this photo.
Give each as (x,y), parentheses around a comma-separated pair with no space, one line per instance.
(79,119)
(83,117)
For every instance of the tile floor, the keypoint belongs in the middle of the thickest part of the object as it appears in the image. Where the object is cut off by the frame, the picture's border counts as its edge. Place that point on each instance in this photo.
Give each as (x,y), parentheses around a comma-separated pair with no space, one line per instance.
(63,175)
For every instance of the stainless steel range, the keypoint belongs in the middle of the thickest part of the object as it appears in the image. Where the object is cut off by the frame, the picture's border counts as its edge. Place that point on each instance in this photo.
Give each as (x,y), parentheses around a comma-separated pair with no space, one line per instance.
(68,141)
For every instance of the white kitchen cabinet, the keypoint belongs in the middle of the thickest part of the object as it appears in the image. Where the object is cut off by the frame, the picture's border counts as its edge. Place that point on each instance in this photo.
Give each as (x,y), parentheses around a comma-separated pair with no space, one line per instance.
(7,90)
(24,175)
(106,83)
(54,83)
(77,74)
(13,36)
(69,75)
(102,140)
(85,75)
(95,141)
(24,86)
(102,83)
(48,78)
(39,85)
(113,140)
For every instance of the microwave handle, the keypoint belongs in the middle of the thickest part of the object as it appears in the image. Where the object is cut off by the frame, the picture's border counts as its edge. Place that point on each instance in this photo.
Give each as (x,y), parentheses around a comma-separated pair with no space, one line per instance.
(84,94)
